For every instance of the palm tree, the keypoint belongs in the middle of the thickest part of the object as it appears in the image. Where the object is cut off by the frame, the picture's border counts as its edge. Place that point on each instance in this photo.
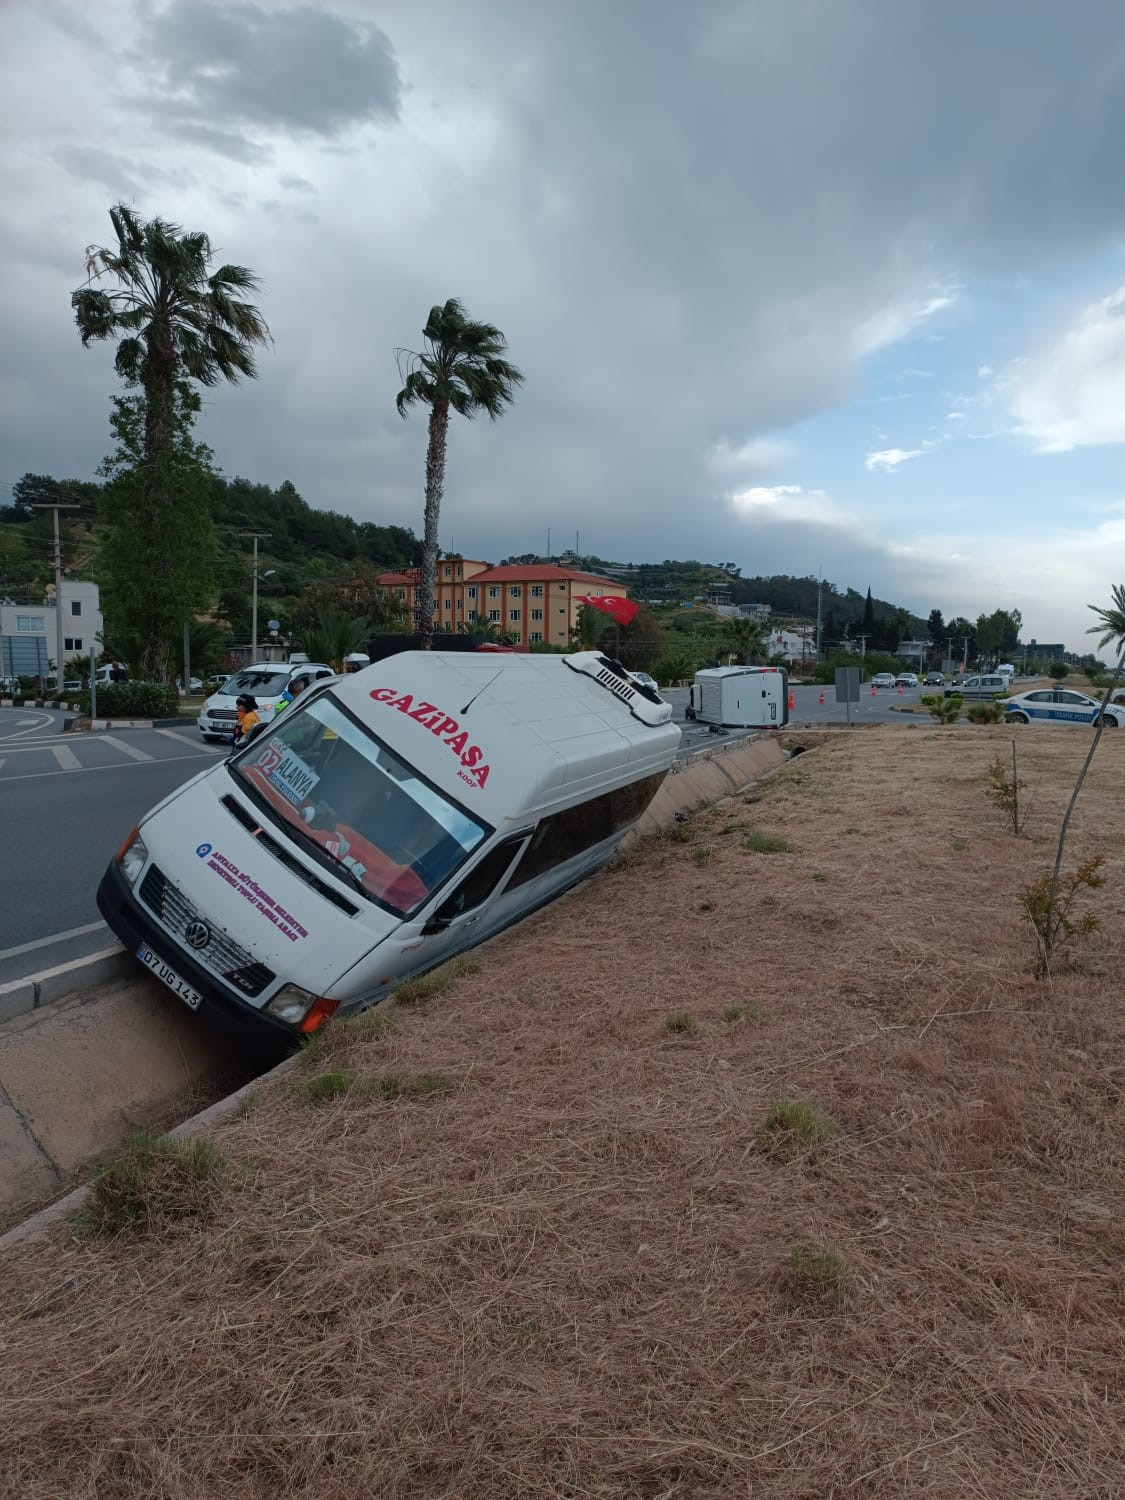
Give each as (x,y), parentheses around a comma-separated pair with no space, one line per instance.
(462,367)
(172,318)
(745,638)
(335,636)
(175,321)
(1111,624)
(481,625)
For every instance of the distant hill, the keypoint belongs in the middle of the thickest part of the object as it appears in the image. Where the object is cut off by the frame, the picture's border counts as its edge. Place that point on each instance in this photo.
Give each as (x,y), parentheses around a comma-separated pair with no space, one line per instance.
(307,545)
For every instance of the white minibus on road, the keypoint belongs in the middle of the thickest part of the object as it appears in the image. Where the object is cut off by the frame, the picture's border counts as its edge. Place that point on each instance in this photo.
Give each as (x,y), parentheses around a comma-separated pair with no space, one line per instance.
(387,821)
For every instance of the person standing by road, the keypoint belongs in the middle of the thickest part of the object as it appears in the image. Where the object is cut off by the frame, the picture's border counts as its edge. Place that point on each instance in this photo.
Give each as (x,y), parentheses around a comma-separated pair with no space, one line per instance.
(246,712)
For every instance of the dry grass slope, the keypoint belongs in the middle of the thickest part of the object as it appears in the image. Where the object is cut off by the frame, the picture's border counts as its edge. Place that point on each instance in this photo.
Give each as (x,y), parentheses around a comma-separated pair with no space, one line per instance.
(581,1268)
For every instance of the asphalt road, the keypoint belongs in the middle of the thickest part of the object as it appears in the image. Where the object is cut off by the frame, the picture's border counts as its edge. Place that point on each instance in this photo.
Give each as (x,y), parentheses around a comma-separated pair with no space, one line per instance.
(66,804)
(68,800)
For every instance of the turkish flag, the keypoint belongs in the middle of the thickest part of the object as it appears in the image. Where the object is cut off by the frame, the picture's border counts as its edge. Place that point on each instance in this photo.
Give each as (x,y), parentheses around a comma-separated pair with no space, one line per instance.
(617,608)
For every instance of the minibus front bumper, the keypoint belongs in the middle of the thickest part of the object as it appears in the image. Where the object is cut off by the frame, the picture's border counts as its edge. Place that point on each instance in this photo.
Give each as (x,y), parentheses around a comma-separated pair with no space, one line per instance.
(134,925)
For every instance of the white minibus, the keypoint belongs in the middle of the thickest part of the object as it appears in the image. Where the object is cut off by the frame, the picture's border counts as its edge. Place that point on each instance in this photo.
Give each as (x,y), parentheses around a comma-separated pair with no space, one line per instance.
(385,822)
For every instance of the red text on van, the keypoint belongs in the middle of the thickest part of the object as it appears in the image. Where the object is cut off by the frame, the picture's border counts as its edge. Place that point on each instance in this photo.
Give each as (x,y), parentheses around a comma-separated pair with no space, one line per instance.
(442,727)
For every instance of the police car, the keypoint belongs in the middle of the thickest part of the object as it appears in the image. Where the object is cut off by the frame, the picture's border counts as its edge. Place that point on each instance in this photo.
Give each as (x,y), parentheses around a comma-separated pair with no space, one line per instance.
(1062,705)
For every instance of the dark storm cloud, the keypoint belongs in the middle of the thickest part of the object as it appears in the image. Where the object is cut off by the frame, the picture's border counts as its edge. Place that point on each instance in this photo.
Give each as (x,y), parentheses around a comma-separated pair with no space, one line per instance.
(305,71)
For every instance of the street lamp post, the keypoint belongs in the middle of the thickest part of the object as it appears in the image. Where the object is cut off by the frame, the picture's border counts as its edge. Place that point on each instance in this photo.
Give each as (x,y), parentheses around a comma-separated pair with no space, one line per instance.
(258,536)
(59,667)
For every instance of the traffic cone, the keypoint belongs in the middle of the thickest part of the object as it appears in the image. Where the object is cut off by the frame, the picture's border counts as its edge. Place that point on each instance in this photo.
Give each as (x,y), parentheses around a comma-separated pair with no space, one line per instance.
(792,700)
(900,689)
(874,691)
(822,695)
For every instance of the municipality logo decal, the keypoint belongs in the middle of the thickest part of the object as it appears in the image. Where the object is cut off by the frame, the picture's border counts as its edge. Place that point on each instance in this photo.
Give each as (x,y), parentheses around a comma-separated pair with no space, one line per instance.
(203,850)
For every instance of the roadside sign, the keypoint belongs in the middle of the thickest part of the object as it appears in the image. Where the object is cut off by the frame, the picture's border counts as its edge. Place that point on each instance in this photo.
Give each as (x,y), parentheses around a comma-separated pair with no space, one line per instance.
(847,687)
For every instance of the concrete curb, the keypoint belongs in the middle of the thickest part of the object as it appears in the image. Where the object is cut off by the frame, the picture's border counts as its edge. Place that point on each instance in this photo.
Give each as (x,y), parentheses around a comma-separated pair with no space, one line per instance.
(20,996)
(39,1223)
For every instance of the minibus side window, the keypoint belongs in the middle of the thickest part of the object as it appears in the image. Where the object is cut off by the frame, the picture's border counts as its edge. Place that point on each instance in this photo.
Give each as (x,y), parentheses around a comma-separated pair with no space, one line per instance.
(479,884)
(567,834)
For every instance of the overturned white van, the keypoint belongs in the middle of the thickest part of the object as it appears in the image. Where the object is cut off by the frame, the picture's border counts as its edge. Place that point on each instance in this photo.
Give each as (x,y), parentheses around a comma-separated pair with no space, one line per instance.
(386,822)
(740,697)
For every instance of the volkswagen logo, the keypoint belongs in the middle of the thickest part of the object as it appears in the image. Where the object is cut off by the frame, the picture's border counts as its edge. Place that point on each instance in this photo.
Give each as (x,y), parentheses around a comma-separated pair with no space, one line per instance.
(197,934)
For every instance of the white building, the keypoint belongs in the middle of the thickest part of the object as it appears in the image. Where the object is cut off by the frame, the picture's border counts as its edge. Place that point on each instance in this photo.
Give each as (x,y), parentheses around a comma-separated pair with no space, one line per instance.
(27,631)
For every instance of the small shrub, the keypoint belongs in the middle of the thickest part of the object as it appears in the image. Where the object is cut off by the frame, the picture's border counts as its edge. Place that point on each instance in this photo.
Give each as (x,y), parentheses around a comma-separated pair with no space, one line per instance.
(681,833)
(436,981)
(944,710)
(410,1085)
(680,1024)
(1003,791)
(139,700)
(701,854)
(1058,670)
(819,876)
(789,1121)
(985,713)
(817,1274)
(323,1087)
(1053,928)
(151,1180)
(757,842)
(747,1012)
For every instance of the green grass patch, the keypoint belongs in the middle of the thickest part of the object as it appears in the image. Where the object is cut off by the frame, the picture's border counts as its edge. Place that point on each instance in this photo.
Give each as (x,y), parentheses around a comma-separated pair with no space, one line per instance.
(817,1274)
(152,1180)
(736,1013)
(681,1024)
(819,876)
(436,981)
(323,1087)
(701,854)
(371,1024)
(789,1121)
(757,842)
(681,833)
(410,1085)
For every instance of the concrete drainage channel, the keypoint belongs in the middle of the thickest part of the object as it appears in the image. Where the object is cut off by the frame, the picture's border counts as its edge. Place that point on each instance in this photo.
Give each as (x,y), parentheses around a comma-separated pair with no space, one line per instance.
(95,1049)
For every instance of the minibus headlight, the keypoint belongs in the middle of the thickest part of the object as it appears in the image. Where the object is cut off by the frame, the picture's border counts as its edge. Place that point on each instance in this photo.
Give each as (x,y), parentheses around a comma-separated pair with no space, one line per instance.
(290,1004)
(131,857)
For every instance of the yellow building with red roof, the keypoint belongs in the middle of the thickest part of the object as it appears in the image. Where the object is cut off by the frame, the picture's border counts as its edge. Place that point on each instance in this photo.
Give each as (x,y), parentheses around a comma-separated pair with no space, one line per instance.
(532,603)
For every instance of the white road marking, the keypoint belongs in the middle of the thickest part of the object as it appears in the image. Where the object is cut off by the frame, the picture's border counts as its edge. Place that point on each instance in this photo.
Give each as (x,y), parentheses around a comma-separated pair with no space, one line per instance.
(126,748)
(168,760)
(56,937)
(24,727)
(66,758)
(199,745)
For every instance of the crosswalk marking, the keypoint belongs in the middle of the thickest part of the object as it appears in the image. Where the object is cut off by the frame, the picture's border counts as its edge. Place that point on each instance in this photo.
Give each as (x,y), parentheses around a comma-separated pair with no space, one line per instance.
(66,758)
(186,739)
(126,749)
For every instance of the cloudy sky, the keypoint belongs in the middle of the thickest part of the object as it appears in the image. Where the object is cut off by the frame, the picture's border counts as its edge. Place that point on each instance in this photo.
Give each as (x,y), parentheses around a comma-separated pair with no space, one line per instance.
(794,283)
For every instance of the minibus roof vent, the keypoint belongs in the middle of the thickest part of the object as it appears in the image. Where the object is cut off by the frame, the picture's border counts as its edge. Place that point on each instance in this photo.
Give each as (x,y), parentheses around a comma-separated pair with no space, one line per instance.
(642,701)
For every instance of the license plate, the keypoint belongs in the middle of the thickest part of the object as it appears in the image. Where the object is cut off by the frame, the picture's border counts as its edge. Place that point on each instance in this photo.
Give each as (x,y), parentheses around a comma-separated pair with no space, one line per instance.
(169,977)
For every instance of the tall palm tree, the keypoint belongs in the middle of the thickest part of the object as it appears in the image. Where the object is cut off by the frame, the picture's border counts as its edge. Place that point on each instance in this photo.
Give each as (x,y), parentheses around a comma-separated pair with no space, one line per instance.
(175,321)
(461,367)
(172,318)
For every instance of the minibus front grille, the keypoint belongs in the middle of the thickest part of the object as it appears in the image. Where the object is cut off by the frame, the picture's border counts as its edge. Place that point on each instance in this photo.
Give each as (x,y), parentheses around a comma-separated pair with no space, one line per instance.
(290,861)
(222,713)
(220,953)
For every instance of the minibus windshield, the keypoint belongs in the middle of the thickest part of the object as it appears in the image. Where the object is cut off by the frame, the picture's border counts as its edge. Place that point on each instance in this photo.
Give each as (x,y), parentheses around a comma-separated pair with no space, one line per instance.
(336,788)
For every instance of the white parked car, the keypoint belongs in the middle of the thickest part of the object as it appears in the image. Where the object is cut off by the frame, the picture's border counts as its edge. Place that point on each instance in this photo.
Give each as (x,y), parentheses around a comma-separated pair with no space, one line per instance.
(265,683)
(1061,706)
(906,679)
(883,680)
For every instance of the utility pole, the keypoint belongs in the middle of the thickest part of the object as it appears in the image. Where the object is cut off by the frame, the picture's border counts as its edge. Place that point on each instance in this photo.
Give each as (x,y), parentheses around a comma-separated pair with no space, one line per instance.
(819,587)
(258,536)
(964,653)
(59,669)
